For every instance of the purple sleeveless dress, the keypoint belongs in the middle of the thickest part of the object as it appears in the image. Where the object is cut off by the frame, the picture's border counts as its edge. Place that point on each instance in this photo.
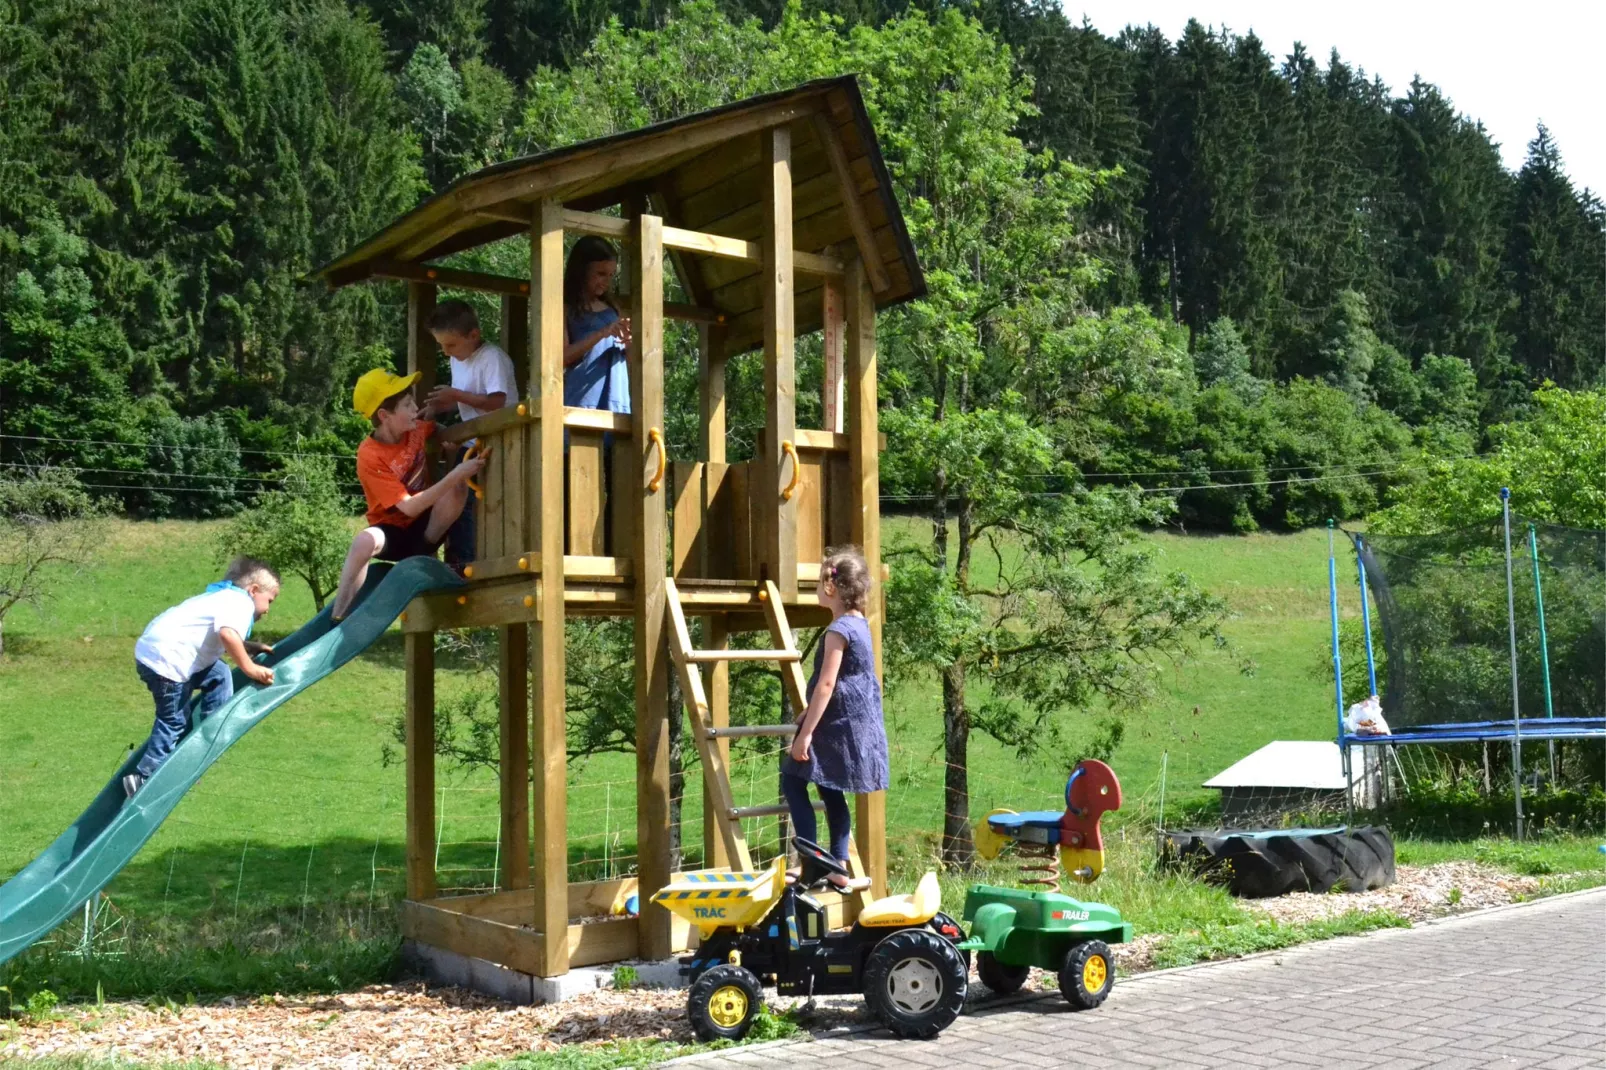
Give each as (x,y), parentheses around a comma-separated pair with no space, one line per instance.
(849,750)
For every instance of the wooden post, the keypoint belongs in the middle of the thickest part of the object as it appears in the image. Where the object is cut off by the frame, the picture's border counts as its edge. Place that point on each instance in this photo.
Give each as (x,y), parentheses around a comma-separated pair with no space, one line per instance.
(711,359)
(718,686)
(833,328)
(516,339)
(711,353)
(646,357)
(779,551)
(864,460)
(513,668)
(421,346)
(419,653)
(548,670)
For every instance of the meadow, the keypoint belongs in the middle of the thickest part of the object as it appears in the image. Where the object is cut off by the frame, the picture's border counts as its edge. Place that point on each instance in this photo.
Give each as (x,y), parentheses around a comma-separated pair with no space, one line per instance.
(291,847)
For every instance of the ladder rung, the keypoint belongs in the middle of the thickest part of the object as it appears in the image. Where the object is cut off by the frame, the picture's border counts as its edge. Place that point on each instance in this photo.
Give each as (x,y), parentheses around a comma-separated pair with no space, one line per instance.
(745,730)
(739,812)
(703,656)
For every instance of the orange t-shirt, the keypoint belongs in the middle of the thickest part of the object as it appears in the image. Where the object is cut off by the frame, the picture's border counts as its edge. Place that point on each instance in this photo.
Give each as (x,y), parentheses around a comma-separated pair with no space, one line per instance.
(390,472)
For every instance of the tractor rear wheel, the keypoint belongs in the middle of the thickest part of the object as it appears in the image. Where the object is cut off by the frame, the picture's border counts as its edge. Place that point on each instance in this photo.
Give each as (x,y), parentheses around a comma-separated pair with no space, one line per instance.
(723,1003)
(1088,974)
(915,982)
(999,976)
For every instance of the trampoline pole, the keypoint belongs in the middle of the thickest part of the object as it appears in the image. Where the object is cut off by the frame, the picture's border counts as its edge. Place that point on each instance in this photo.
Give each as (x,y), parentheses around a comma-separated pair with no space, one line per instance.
(1511,631)
(1544,641)
(1338,675)
(1366,618)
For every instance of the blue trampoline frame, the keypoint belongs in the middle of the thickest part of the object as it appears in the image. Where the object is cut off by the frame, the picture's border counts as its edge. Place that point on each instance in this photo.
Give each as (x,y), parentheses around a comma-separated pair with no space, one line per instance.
(1547,728)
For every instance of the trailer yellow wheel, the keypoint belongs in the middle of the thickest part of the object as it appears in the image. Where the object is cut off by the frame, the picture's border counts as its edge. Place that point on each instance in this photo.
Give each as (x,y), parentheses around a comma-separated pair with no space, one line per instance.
(723,1003)
(1087,975)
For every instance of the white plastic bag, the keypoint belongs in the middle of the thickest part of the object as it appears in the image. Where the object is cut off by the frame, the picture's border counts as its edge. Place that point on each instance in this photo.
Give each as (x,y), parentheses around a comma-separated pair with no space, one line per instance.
(1366,719)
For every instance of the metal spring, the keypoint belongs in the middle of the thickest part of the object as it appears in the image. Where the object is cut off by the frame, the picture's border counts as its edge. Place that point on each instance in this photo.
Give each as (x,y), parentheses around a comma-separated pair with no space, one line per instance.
(1039,865)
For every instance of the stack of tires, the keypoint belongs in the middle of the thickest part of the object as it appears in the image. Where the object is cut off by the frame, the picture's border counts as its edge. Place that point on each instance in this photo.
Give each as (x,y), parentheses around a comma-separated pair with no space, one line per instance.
(1260,864)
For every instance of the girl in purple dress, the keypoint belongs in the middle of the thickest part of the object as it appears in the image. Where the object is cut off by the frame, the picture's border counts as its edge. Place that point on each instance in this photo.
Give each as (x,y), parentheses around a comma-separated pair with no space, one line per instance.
(841,741)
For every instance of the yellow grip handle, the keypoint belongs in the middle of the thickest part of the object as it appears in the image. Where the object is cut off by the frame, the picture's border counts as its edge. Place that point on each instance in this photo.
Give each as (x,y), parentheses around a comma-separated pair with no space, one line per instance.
(797,470)
(656,437)
(468,455)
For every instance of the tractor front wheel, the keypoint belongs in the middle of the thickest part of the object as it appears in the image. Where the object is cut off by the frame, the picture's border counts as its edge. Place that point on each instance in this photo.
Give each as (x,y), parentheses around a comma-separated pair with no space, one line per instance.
(1001,977)
(1088,974)
(915,982)
(723,1003)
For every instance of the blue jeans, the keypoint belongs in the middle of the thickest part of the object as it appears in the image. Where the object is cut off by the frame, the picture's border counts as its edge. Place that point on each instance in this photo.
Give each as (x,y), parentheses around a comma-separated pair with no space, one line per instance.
(460,536)
(216,685)
(838,818)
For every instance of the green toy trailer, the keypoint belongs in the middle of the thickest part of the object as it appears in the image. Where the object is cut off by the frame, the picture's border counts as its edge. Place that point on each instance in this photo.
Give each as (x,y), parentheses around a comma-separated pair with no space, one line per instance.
(1013,930)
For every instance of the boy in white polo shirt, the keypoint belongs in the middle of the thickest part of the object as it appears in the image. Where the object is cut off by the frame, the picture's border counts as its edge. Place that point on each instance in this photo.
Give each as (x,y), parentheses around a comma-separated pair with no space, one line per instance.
(482,382)
(181,651)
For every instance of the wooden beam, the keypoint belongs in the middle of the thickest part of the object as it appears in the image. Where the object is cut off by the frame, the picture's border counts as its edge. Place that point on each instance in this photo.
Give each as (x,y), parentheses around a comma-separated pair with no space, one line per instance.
(483,605)
(482,938)
(419,653)
(863,233)
(718,677)
(513,680)
(833,329)
(619,423)
(711,362)
(692,313)
(386,268)
(548,670)
(607,226)
(650,545)
(779,548)
(516,338)
(421,347)
(490,423)
(864,459)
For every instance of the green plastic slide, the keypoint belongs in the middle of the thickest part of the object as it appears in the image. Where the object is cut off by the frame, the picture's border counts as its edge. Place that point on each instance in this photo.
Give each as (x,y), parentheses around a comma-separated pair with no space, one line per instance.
(110,833)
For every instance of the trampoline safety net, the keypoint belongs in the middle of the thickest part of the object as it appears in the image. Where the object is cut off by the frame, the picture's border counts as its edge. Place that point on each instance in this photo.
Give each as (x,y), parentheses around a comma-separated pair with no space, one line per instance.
(1439,602)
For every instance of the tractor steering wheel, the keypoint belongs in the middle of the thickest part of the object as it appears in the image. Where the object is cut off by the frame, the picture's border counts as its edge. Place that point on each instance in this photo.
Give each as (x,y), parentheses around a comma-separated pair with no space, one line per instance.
(813,856)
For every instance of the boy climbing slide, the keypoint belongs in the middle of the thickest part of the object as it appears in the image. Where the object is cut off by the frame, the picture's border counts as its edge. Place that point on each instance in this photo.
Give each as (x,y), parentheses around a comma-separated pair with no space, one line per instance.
(407,515)
(180,653)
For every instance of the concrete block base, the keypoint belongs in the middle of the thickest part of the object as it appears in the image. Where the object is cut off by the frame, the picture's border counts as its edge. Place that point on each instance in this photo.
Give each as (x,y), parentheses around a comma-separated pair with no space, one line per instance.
(442,967)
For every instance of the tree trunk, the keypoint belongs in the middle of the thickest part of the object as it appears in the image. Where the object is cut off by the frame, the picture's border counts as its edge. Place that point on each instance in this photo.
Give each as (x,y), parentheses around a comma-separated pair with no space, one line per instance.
(957,848)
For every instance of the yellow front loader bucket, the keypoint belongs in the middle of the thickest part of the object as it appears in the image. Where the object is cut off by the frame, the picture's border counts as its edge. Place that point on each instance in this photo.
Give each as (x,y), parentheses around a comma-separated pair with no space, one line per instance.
(719,898)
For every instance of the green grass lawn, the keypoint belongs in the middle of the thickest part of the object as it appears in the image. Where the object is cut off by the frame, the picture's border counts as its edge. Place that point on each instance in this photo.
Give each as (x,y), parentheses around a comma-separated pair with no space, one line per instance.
(292,845)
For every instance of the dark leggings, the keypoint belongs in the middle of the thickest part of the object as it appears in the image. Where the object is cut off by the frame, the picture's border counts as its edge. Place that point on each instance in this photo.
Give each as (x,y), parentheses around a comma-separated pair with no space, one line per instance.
(838,817)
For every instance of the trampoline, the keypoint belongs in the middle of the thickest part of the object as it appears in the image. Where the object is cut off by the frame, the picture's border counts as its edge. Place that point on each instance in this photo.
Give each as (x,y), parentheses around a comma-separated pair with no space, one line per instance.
(1480,645)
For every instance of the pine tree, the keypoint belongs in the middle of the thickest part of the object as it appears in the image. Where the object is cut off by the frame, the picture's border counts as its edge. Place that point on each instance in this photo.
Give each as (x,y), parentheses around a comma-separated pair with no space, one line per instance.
(1553,254)
(1451,194)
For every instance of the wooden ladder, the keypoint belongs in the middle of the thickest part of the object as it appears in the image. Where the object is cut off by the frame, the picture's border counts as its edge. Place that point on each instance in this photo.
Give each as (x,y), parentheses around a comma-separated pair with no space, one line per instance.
(716,772)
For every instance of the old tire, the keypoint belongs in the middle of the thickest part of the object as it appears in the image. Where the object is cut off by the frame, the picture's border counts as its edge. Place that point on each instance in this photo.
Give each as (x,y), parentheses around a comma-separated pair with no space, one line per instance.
(1087,975)
(915,982)
(723,1003)
(998,976)
(1256,865)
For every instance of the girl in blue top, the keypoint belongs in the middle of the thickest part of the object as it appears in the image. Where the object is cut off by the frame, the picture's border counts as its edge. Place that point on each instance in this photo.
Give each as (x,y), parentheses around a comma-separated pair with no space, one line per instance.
(841,741)
(595,375)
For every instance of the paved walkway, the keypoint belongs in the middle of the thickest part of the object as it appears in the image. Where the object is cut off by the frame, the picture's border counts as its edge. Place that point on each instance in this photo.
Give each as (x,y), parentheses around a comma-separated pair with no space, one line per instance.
(1518,987)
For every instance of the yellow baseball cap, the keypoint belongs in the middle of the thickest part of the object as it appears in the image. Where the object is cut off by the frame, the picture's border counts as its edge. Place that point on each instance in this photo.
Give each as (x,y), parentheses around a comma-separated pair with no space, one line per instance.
(377,385)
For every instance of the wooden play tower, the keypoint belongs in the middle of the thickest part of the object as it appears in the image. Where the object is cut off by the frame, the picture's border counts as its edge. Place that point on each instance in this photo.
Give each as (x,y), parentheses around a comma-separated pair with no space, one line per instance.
(777,217)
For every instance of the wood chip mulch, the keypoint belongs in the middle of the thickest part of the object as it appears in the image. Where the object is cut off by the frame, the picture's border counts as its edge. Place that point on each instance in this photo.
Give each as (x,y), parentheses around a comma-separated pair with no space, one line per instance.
(425,1028)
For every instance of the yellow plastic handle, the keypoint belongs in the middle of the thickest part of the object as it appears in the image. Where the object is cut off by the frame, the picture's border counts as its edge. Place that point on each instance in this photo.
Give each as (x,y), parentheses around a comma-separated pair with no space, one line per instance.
(656,437)
(797,470)
(468,455)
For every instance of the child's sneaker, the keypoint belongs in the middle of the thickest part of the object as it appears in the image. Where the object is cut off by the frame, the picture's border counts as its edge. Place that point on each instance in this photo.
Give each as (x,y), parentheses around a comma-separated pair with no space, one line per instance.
(132,783)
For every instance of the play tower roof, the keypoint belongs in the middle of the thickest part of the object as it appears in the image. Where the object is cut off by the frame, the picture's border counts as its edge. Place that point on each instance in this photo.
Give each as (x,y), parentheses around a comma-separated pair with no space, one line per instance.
(704,173)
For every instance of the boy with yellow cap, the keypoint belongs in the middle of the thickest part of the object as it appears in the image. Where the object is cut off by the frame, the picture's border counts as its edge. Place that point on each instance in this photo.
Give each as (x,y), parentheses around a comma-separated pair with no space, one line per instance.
(407,516)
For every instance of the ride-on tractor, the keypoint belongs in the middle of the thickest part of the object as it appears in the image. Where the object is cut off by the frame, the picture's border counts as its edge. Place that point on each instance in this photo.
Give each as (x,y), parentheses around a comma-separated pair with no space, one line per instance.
(757,929)
(1013,930)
